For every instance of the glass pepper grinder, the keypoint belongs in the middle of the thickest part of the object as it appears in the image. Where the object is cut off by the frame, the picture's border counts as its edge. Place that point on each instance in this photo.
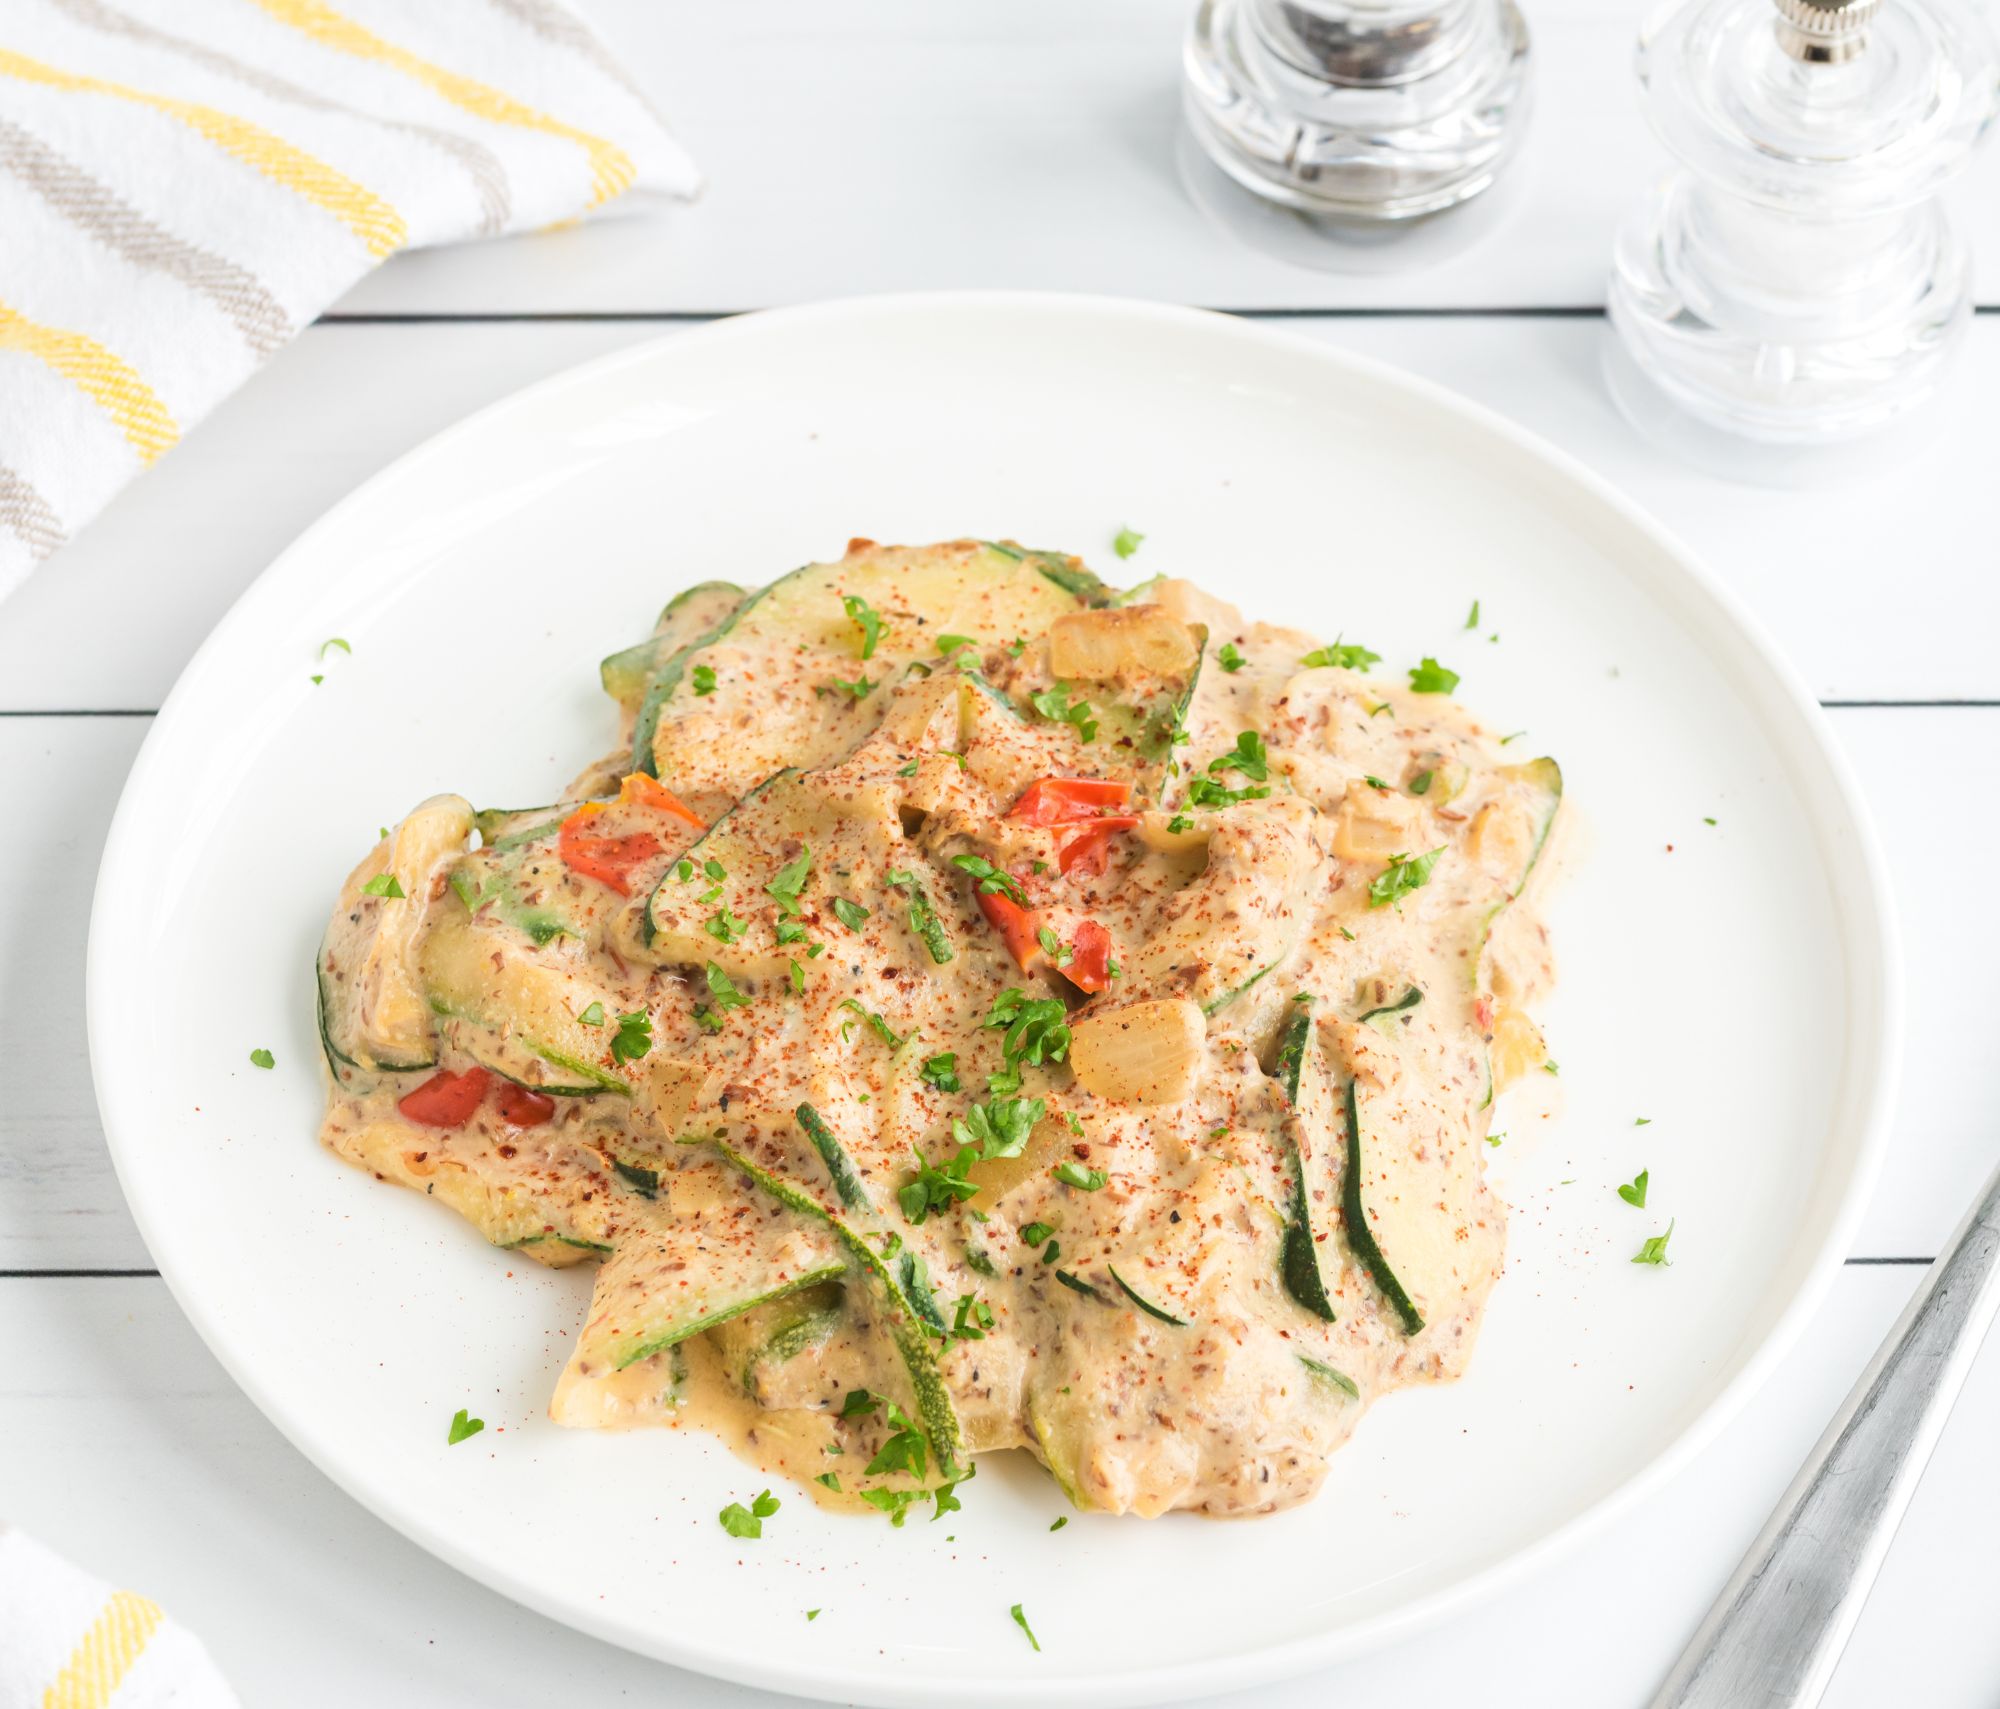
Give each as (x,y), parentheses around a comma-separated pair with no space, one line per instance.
(1795,291)
(1351,119)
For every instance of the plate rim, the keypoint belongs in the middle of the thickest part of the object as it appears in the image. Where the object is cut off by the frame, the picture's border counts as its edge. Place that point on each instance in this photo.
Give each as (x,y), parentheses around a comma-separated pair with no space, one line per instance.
(1877,951)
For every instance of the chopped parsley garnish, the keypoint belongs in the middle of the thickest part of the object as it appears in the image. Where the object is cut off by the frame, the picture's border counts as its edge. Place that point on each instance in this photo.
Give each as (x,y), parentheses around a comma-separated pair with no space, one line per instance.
(1373,781)
(1051,1252)
(1634,1190)
(633,1038)
(1078,1176)
(383,884)
(849,914)
(798,979)
(972,1318)
(722,989)
(1707,821)
(1549,1067)
(748,1522)
(1430,677)
(1062,1519)
(724,926)
(334,641)
(940,1072)
(1247,756)
(317,679)
(715,869)
(1037,1032)
(886,1033)
(946,1496)
(790,883)
(860,689)
(1472,616)
(462,1426)
(1206,792)
(1230,659)
(1021,1620)
(1347,656)
(263,1059)
(1000,1127)
(907,769)
(991,878)
(812,1613)
(707,1019)
(704,679)
(1178,823)
(1053,947)
(1642,1121)
(949,644)
(1421,783)
(684,869)
(894,1502)
(1126,542)
(867,619)
(592,1016)
(1035,1233)
(933,1188)
(1654,1250)
(829,1480)
(1403,874)
(1055,705)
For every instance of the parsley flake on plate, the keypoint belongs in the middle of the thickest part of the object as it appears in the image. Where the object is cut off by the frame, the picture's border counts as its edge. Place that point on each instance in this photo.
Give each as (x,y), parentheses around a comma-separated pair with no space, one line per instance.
(1634,1190)
(462,1426)
(263,1059)
(1654,1250)
(1126,542)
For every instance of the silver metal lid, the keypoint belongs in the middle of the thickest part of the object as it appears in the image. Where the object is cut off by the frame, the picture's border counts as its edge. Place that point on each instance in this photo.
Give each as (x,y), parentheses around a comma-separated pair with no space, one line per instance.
(1824,32)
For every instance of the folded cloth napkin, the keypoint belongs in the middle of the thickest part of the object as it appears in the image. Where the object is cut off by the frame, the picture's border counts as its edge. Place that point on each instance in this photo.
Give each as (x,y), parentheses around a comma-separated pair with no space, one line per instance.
(69,1641)
(186,183)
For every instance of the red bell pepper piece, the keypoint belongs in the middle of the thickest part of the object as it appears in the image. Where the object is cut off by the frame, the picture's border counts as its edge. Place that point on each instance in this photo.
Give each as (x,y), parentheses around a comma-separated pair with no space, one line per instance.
(1016,925)
(520,1107)
(1090,958)
(1068,800)
(1090,848)
(446,1100)
(609,860)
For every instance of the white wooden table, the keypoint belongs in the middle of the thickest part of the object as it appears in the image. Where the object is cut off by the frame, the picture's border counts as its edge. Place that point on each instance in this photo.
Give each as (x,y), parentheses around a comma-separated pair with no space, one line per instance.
(895,145)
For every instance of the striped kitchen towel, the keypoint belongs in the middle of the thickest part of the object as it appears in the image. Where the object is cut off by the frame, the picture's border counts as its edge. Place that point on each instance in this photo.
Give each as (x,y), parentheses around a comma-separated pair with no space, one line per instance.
(186,183)
(69,1641)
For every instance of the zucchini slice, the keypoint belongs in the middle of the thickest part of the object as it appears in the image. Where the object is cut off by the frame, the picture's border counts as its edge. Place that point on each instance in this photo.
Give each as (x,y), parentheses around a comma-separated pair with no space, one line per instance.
(905,1322)
(798,644)
(1391,1230)
(690,614)
(519,1017)
(372,1009)
(1308,1133)
(715,1256)
(756,1347)
(1543,781)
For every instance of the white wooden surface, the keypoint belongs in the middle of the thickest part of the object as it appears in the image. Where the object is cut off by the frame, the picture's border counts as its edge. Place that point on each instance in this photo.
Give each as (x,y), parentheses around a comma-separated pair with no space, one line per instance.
(895,144)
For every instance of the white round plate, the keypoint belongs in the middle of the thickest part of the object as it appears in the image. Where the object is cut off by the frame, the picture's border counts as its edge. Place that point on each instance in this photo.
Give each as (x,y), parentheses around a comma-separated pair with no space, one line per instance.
(1735,984)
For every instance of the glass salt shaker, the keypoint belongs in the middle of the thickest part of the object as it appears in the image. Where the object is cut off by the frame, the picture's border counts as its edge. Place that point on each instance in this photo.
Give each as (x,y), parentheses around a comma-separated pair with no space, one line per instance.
(1351,121)
(1795,292)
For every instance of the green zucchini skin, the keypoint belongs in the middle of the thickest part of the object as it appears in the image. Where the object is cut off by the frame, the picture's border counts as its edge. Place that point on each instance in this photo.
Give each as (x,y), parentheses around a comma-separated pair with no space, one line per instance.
(1333,1379)
(1066,572)
(1298,1252)
(906,1325)
(335,1056)
(1144,1304)
(1359,1236)
(1409,1000)
(839,1166)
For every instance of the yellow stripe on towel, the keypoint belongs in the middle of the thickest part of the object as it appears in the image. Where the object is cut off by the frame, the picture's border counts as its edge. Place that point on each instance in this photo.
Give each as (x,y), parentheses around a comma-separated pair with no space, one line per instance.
(364,213)
(112,382)
(104,1654)
(611,169)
